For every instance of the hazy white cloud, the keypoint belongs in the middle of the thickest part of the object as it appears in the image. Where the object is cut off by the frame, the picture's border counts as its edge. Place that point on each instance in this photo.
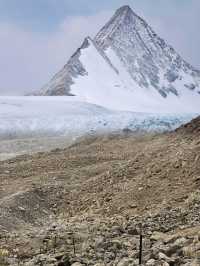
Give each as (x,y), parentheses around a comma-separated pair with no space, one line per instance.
(29,59)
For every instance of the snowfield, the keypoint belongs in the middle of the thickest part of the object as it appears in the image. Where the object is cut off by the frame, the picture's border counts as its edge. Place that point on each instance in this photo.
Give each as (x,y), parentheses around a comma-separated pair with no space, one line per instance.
(29,116)
(105,87)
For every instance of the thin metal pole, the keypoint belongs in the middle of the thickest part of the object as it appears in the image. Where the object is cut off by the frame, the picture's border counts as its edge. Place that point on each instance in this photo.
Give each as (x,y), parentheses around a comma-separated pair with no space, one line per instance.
(140,252)
(74,244)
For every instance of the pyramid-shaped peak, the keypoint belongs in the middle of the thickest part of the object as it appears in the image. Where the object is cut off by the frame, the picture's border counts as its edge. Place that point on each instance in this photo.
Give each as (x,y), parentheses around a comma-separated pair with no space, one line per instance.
(124,16)
(125,8)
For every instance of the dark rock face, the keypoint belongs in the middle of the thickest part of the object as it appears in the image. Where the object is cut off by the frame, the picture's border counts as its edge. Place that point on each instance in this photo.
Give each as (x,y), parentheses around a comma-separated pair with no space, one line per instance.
(62,81)
(191,128)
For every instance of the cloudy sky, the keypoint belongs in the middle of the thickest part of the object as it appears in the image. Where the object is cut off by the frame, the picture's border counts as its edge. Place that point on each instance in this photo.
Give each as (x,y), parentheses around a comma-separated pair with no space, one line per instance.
(38,36)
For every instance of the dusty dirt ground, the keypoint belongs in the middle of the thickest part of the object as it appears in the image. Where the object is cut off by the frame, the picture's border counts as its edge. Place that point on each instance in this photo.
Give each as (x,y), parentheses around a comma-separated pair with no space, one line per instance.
(100,178)
(104,175)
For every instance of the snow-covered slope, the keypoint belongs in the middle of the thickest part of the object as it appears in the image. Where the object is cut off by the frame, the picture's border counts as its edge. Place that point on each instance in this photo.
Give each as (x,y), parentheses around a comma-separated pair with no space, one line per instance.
(22,117)
(128,67)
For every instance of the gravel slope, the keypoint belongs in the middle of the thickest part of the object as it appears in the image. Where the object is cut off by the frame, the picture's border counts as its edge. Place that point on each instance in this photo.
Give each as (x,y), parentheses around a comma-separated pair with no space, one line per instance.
(99,190)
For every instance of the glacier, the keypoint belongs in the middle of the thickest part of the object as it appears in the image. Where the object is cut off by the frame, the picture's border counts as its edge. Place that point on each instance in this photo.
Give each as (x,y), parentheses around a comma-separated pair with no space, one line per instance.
(25,117)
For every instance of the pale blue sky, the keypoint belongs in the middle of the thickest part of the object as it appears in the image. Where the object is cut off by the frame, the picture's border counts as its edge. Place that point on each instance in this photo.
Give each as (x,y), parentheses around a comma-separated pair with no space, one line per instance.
(38,36)
(48,14)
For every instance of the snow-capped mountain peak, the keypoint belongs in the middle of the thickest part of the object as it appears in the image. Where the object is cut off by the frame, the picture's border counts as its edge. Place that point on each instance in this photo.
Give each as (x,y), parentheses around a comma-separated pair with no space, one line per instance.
(123,16)
(128,66)
(149,60)
(125,8)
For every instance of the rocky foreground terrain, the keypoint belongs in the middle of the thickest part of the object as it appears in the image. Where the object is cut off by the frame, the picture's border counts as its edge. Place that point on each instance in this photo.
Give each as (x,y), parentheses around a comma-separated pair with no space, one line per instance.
(85,205)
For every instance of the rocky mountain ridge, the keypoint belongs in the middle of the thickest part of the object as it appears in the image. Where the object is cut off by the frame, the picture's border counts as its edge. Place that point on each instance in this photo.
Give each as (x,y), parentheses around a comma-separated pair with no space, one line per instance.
(128,60)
